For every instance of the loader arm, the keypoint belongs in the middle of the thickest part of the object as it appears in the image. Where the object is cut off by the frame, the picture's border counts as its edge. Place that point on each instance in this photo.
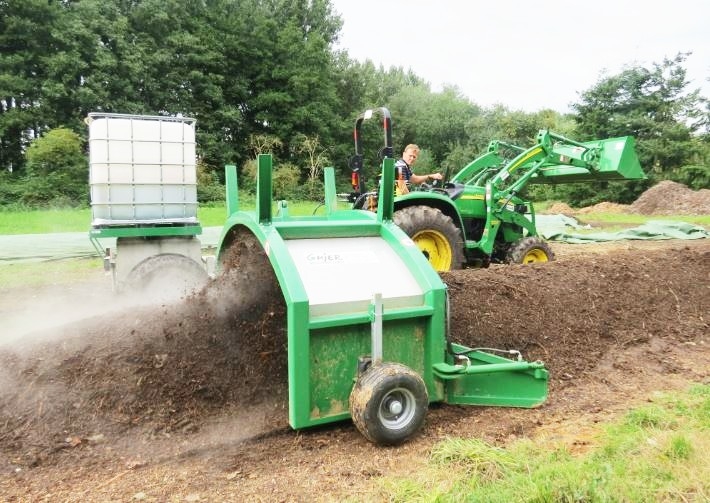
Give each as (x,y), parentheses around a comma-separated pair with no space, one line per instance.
(557,159)
(486,164)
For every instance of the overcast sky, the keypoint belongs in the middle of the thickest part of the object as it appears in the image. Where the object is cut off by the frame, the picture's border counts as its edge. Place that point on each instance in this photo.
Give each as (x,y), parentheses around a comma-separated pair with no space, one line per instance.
(526,55)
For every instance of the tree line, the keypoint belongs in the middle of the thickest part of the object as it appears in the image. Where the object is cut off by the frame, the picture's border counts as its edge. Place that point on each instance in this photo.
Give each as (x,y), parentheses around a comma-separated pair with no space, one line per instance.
(265,76)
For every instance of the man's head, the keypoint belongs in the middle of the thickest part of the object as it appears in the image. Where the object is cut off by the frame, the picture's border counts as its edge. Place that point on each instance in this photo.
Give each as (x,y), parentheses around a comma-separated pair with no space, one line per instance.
(410,154)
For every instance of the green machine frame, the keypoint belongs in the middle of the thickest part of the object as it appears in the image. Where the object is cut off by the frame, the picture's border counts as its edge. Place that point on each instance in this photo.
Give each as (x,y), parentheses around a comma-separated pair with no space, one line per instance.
(397,313)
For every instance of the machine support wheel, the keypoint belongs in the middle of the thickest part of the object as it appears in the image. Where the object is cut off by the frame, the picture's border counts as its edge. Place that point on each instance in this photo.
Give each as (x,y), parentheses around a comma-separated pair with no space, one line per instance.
(166,276)
(388,403)
(434,233)
(529,250)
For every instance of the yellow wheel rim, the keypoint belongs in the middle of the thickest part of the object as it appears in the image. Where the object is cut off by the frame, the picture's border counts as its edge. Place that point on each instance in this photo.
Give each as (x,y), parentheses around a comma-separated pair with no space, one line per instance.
(535,255)
(436,248)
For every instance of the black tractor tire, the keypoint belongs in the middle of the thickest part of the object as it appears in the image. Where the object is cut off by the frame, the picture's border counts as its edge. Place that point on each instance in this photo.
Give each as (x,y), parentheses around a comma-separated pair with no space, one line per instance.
(388,403)
(435,234)
(529,250)
(166,277)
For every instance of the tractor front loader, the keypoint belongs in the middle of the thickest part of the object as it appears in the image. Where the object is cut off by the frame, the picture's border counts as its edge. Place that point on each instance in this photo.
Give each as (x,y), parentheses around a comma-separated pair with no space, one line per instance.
(479,216)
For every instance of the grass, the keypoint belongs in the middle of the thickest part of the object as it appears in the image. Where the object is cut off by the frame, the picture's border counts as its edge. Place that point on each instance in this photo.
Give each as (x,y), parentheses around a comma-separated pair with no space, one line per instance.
(38,274)
(617,221)
(657,452)
(44,221)
(79,220)
(214,215)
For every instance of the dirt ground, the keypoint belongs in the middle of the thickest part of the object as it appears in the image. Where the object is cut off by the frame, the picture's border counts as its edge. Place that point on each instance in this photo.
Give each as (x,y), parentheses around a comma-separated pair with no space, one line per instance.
(187,402)
(105,398)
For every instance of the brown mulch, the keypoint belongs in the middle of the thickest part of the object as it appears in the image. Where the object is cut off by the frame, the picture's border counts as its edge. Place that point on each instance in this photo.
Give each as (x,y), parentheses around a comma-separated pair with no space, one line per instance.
(664,198)
(163,371)
(671,198)
(605,207)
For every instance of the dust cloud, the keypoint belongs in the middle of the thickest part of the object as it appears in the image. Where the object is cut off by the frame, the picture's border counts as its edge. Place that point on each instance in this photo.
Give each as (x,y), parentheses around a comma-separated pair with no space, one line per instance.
(90,364)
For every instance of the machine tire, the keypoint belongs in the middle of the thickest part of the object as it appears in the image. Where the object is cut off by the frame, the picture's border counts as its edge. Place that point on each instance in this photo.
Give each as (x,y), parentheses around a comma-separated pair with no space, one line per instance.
(388,403)
(168,276)
(529,250)
(435,234)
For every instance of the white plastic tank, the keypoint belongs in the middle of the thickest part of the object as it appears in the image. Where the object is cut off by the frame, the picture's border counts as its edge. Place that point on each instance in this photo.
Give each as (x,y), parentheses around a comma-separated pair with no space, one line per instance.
(142,169)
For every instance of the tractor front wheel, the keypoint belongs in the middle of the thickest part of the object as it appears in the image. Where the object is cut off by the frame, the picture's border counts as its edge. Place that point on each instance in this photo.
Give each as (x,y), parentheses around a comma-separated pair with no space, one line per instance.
(435,234)
(529,250)
(388,403)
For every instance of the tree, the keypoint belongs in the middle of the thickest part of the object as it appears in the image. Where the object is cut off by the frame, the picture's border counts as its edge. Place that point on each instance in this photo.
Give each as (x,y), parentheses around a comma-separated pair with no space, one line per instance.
(435,121)
(656,108)
(26,36)
(653,105)
(316,155)
(56,170)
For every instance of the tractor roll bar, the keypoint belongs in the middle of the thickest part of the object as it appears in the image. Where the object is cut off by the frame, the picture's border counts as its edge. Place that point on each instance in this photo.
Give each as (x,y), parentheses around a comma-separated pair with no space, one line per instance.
(356,162)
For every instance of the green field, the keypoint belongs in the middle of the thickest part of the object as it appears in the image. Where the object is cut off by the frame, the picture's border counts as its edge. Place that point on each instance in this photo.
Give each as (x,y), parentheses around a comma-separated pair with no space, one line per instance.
(79,220)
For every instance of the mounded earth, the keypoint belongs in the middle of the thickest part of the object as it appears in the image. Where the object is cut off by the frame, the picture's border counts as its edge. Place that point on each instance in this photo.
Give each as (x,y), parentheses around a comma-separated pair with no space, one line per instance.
(105,399)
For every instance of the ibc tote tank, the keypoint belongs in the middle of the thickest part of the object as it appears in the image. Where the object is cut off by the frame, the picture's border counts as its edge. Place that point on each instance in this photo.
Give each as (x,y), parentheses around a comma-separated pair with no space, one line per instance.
(142,170)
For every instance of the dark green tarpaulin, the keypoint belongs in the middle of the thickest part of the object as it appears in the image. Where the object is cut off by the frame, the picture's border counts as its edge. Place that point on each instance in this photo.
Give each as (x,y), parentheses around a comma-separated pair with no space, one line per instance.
(556,228)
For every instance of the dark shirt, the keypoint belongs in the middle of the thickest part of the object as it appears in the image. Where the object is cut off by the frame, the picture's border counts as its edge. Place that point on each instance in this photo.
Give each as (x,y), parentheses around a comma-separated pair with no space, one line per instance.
(402,171)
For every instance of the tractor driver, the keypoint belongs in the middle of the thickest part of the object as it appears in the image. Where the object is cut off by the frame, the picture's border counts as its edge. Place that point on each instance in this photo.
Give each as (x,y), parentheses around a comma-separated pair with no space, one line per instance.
(403,170)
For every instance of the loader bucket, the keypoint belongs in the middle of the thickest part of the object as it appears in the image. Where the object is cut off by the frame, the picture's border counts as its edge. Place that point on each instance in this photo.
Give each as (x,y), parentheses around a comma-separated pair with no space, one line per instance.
(606,160)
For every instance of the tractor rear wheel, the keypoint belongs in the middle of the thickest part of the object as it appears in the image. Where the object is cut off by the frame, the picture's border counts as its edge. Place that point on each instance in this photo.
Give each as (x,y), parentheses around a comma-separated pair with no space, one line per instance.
(529,250)
(435,234)
(388,403)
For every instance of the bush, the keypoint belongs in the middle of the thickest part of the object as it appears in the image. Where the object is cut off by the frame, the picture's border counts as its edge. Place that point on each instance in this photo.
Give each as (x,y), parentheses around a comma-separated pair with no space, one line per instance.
(56,190)
(10,189)
(286,179)
(57,171)
(695,177)
(311,190)
(209,188)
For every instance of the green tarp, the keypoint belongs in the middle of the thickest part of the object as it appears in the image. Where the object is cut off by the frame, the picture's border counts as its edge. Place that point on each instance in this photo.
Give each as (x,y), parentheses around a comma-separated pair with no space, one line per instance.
(39,247)
(557,227)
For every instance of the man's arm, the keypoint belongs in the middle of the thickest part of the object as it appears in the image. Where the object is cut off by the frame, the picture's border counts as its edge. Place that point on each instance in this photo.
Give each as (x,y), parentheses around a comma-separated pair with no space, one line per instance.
(424,178)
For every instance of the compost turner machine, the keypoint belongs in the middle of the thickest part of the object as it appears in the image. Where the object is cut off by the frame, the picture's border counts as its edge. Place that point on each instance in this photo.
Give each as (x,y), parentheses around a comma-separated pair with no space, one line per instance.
(367,317)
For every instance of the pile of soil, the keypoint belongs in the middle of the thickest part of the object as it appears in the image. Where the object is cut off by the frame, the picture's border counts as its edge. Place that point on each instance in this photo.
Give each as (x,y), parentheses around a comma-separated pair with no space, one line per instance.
(671,198)
(122,406)
(664,198)
(605,207)
(162,371)
(571,314)
(560,208)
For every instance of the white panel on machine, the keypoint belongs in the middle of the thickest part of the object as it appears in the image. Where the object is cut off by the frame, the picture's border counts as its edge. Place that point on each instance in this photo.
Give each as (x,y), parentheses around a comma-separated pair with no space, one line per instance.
(342,275)
(142,169)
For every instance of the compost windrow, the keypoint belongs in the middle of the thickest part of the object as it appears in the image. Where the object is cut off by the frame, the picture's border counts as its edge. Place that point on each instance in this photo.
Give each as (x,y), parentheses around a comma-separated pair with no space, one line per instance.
(168,372)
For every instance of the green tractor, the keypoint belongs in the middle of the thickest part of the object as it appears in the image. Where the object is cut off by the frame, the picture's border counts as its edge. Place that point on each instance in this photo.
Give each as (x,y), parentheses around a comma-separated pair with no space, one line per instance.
(479,216)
